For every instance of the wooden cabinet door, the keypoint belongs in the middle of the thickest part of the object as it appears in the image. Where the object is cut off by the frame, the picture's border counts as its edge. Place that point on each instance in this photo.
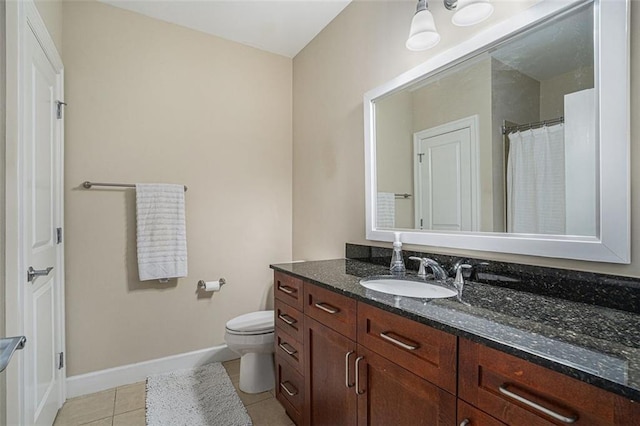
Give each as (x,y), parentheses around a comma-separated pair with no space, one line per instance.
(391,395)
(328,398)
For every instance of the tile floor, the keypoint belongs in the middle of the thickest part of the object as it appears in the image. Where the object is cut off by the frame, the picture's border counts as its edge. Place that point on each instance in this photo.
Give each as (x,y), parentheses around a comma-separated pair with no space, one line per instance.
(125,406)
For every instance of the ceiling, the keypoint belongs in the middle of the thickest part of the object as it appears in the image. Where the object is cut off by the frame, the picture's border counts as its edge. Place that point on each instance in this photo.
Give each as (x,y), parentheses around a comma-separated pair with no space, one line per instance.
(542,53)
(283,27)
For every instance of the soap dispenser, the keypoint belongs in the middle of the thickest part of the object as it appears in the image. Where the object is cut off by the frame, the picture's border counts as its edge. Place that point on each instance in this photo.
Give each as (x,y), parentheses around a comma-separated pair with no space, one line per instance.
(397,262)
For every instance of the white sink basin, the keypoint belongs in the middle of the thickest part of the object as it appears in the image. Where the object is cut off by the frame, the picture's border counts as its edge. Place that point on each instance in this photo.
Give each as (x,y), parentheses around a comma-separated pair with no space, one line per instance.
(407,287)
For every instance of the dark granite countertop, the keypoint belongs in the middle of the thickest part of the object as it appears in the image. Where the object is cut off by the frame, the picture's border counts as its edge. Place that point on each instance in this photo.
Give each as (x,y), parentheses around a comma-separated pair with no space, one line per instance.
(595,344)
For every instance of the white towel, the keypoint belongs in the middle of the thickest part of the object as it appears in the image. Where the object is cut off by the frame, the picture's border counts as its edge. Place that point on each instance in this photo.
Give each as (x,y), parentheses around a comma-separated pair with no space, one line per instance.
(161,231)
(386,211)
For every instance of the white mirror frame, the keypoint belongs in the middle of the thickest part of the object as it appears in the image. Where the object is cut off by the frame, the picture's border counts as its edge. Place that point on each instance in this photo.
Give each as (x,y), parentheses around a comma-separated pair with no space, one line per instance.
(612,243)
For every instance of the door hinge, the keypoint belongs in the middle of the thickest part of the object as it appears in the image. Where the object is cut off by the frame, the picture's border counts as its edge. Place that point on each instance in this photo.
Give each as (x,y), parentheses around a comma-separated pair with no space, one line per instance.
(60,360)
(59,109)
(58,235)
(421,224)
(420,157)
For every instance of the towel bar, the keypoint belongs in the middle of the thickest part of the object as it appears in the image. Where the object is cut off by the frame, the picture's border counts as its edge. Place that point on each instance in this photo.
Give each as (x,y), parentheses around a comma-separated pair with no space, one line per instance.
(86,184)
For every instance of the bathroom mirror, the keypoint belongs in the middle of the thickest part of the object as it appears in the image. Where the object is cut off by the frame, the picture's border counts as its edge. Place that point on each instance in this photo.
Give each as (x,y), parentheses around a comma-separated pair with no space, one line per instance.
(514,141)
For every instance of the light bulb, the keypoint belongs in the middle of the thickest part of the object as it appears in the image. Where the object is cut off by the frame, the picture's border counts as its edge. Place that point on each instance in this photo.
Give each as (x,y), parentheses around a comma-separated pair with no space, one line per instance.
(423,34)
(471,12)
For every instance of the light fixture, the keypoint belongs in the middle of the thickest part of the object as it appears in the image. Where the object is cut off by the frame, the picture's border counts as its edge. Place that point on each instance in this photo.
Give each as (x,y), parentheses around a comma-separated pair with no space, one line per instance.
(423,34)
(469,12)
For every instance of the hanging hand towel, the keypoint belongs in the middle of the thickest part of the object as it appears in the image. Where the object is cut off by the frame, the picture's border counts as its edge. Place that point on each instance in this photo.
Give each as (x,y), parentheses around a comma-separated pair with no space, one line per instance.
(386,210)
(161,231)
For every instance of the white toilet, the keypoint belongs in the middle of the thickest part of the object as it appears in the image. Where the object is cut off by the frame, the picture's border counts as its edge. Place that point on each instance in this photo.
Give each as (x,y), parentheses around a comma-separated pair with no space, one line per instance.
(251,336)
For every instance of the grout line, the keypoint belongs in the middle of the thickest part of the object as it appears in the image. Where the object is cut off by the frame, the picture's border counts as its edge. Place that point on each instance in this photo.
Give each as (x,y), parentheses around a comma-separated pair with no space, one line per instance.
(97,420)
(258,402)
(113,411)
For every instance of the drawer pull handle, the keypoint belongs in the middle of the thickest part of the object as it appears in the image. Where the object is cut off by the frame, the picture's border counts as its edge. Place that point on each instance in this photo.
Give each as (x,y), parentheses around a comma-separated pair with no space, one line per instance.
(288,348)
(286,389)
(286,289)
(327,308)
(503,389)
(465,422)
(346,370)
(403,345)
(360,358)
(287,319)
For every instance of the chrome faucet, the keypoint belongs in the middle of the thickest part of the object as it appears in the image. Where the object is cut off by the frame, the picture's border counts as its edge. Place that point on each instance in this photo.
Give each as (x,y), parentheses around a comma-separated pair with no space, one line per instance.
(439,274)
(472,264)
(458,282)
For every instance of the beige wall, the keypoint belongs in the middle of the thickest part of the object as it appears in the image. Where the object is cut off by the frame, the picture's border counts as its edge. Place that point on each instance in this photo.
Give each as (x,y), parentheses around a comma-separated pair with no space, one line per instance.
(3,107)
(155,102)
(552,91)
(394,153)
(361,49)
(51,13)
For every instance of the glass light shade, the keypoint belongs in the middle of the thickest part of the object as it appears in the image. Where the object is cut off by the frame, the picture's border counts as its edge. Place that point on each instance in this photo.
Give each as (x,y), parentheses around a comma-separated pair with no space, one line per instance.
(423,34)
(471,12)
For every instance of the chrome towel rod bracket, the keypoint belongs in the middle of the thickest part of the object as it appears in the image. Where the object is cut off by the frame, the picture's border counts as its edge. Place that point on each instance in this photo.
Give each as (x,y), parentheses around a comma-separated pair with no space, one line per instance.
(405,195)
(88,185)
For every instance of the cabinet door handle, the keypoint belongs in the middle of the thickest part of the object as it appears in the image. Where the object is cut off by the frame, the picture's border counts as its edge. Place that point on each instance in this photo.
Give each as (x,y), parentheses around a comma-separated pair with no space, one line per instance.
(346,369)
(360,358)
(286,289)
(286,389)
(290,350)
(327,308)
(287,319)
(503,389)
(397,342)
(465,422)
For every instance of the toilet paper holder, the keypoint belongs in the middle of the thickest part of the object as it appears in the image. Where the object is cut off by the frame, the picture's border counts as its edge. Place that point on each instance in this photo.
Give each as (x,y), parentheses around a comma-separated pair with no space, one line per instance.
(202,283)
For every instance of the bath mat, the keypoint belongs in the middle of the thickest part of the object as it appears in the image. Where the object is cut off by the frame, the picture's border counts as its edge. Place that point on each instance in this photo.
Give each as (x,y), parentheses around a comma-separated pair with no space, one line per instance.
(201,396)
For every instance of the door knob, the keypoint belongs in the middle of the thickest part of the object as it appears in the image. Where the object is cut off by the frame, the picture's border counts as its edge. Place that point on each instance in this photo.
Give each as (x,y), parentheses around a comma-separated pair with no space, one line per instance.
(32,274)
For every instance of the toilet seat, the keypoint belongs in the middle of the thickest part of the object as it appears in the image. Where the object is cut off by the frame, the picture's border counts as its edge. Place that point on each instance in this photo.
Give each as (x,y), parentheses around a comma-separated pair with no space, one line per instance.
(253,323)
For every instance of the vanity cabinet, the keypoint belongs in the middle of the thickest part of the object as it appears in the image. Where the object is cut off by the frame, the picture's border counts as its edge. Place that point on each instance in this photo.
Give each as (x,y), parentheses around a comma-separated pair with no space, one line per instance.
(344,362)
(518,392)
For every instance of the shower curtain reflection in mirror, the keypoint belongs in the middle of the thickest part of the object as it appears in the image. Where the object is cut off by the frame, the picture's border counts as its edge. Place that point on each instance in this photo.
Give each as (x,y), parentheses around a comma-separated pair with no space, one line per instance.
(536,181)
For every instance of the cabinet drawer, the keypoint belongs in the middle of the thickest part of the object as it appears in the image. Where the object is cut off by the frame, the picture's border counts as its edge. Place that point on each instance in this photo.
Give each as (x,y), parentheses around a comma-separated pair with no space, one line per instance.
(423,350)
(471,416)
(518,392)
(289,319)
(331,309)
(288,289)
(290,390)
(290,350)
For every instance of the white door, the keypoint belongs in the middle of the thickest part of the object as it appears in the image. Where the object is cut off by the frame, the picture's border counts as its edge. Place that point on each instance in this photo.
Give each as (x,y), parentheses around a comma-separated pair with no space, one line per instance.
(41,191)
(445,178)
(39,158)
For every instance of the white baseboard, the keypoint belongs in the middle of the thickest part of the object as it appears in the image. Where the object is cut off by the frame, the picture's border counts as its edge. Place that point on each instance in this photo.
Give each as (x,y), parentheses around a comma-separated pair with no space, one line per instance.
(97,381)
